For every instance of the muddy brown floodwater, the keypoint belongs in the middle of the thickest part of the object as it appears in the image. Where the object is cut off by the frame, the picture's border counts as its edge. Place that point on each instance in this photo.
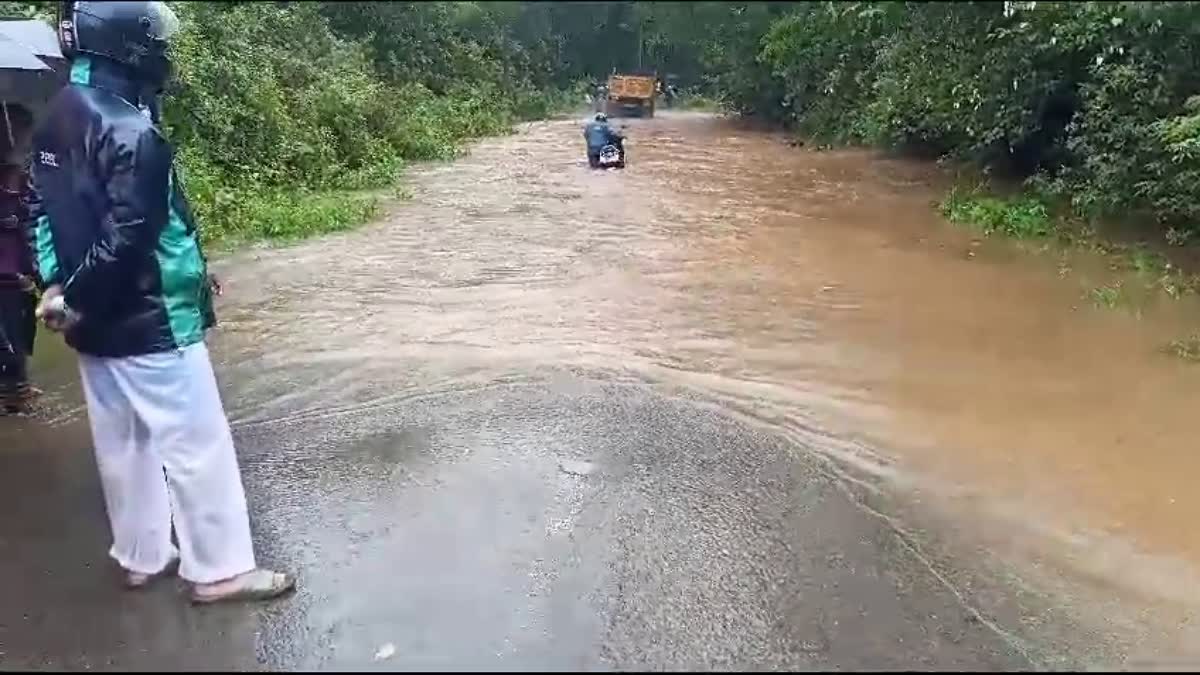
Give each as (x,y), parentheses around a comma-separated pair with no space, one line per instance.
(1009,429)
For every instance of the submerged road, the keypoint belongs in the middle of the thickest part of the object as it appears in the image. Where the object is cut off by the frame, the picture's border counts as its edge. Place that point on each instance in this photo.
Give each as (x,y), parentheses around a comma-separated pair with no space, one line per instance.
(540,418)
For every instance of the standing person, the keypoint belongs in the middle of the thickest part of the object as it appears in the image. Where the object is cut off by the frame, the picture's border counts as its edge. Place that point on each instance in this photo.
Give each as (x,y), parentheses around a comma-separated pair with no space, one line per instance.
(127,284)
(18,293)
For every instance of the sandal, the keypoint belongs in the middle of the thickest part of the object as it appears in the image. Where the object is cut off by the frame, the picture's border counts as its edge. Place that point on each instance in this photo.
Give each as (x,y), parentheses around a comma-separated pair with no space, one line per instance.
(253,586)
(138,580)
(18,400)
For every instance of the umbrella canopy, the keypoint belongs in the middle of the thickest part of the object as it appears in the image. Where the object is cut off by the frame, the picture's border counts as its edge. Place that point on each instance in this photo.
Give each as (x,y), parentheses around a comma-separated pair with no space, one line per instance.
(29,55)
(16,56)
(38,36)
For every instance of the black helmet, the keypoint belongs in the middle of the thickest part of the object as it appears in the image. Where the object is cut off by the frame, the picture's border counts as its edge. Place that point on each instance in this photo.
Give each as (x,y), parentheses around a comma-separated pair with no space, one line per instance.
(601,117)
(136,34)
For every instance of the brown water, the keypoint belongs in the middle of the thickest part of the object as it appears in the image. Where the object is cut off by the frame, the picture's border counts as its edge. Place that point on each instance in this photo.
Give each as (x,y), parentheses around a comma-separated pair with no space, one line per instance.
(817,294)
(820,290)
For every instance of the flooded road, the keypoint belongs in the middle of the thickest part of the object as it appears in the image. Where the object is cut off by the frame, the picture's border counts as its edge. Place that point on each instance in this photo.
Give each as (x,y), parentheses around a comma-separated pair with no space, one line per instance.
(738,406)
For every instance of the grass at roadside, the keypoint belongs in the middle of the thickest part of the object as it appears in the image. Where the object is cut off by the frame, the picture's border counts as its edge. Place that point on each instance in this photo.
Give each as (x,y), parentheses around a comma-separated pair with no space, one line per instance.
(280,216)
(1023,217)
(1030,218)
(1187,349)
(1140,270)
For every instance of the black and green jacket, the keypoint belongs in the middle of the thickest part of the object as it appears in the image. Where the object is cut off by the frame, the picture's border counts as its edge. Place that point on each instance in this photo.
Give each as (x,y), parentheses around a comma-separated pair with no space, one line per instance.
(115,229)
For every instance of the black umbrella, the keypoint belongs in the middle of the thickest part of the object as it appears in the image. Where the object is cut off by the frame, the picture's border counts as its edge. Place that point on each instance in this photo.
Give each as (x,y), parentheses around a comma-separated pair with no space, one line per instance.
(37,35)
(31,64)
(16,56)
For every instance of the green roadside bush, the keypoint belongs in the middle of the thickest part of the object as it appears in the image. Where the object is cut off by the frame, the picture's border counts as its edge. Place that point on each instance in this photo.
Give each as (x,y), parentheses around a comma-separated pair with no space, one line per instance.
(1023,217)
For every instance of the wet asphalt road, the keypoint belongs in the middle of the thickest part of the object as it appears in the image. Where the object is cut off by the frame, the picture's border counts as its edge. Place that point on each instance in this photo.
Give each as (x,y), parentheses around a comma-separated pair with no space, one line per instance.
(559,525)
(464,448)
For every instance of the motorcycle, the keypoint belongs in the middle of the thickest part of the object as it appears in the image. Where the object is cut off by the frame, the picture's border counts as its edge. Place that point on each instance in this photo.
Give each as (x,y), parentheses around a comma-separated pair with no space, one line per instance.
(670,95)
(611,157)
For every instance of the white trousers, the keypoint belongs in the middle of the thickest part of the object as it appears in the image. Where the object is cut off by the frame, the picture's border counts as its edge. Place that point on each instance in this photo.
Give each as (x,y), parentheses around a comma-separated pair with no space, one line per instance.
(164,449)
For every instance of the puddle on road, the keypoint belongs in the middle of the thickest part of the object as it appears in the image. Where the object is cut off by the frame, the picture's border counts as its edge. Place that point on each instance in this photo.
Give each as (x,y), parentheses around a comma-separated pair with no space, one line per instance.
(817,292)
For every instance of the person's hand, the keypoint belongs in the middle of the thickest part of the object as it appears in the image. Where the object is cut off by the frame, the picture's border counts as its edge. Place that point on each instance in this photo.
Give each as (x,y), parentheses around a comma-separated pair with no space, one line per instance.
(48,296)
(26,283)
(53,311)
(215,284)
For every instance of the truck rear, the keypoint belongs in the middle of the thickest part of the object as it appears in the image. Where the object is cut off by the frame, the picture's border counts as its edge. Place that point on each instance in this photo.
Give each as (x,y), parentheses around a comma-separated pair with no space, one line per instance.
(631,95)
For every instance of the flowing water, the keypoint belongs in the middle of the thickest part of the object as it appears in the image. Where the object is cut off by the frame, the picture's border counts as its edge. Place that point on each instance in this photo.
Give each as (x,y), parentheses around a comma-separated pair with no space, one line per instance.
(815,294)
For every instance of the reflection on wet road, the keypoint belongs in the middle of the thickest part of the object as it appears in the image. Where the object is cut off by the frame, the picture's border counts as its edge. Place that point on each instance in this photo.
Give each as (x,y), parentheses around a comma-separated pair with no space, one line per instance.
(738,406)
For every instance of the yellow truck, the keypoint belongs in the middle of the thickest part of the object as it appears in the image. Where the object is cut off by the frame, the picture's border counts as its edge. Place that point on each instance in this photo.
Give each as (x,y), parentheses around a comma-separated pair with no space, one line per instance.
(631,95)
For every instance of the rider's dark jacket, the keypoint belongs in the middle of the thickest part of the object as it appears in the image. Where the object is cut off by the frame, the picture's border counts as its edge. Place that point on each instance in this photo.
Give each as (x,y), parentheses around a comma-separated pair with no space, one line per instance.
(598,135)
(115,229)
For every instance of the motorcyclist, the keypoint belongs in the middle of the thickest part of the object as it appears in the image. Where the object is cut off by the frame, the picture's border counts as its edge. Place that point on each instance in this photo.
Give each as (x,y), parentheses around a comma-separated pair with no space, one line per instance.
(670,91)
(598,134)
(127,282)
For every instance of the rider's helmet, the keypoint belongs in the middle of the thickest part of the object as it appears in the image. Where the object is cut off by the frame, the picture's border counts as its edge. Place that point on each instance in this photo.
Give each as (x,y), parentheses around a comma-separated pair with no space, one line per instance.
(601,117)
(135,34)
